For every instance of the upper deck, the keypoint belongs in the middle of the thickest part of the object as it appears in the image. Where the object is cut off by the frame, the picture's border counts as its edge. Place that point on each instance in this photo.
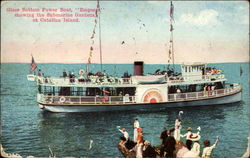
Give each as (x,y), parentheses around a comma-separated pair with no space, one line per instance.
(95,81)
(190,74)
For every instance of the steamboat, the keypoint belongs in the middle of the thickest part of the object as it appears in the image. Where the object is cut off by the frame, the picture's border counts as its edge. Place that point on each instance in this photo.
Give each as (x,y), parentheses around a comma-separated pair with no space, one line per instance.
(195,85)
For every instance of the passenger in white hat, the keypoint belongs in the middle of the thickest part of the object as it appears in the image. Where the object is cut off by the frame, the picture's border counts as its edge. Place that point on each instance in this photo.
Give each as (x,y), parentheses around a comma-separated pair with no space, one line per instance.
(196,145)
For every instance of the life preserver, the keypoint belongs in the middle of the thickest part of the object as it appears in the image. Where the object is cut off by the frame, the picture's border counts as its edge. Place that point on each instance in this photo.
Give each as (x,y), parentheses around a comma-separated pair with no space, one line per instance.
(81,72)
(51,100)
(62,99)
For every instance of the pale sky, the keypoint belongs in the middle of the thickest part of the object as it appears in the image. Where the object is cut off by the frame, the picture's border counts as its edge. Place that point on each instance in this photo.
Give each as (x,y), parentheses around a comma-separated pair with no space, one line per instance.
(204,31)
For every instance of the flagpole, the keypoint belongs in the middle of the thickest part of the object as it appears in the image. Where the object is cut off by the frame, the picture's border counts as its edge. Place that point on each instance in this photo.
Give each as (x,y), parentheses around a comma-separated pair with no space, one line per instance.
(172,36)
(172,33)
(100,42)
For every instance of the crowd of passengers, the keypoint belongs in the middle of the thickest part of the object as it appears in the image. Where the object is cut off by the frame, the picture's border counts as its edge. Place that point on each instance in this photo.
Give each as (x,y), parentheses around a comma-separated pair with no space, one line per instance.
(173,145)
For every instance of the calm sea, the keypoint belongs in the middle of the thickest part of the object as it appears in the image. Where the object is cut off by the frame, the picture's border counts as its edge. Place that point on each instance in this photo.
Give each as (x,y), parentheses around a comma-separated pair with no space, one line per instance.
(27,130)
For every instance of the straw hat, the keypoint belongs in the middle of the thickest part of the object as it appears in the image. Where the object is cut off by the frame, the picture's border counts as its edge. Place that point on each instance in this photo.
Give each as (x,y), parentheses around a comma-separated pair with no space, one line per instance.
(194,137)
(189,129)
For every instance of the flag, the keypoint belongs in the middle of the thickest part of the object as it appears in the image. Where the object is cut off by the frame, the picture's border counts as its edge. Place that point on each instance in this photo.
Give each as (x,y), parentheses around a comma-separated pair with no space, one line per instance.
(32,65)
(172,11)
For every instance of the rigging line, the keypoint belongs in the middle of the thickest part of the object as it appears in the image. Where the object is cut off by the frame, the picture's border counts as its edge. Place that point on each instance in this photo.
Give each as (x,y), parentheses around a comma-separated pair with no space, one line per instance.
(100,42)
(172,39)
(172,34)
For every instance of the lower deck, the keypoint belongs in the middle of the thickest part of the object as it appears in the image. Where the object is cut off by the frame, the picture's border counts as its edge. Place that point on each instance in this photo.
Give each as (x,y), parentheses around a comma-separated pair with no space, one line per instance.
(116,103)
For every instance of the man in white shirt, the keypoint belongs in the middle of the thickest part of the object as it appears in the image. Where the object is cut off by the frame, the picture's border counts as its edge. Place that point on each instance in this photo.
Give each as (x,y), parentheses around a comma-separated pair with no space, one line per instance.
(125,133)
(207,151)
(188,134)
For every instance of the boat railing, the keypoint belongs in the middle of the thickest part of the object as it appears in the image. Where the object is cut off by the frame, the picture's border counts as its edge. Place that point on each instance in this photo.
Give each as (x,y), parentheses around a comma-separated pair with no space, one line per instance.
(179,79)
(76,100)
(203,94)
(83,81)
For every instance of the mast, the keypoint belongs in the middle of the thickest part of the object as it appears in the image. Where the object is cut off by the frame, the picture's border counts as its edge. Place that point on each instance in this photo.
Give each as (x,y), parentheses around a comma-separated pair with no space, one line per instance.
(171,41)
(100,41)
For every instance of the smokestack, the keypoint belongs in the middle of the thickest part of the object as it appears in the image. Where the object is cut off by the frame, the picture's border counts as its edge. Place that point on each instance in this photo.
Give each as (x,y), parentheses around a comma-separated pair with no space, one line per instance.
(138,68)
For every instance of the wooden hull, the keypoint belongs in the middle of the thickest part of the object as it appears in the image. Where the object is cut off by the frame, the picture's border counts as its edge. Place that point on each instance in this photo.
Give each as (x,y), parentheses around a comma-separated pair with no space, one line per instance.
(226,99)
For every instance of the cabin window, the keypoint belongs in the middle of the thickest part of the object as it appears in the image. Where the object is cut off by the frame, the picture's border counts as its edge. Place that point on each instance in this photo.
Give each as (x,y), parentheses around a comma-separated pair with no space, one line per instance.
(64,91)
(39,89)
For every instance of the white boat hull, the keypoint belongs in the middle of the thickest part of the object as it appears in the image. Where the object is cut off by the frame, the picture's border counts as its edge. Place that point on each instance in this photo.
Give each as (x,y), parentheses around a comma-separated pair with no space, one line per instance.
(232,98)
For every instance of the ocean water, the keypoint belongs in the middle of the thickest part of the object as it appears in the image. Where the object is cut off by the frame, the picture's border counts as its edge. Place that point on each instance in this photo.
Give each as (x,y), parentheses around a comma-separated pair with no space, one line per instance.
(27,130)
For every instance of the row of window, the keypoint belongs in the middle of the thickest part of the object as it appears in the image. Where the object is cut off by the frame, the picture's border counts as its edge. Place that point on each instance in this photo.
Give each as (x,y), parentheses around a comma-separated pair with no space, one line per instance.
(83,91)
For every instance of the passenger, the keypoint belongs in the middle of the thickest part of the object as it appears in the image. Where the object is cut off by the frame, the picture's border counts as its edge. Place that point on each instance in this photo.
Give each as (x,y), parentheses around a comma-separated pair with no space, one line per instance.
(189,144)
(196,147)
(104,99)
(183,152)
(139,150)
(139,143)
(178,91)
(136,126)
(39,73)
(148,150)
(205,90)
(71,77)
(122,141)
(125,133)
(120,96)
(65,74)
(170,147)
(139,138)
(177,134)
(188,134)
(208,90)
(164,135)
(212,90)
(208,149)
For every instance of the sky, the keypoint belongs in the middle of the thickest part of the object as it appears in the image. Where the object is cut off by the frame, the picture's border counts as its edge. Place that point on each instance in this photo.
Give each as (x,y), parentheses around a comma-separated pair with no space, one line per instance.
(204,31)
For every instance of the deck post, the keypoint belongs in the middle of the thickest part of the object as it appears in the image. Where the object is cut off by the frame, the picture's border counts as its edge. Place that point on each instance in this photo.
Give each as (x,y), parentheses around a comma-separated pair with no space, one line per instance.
(80,99)
(197,96)
(109,100)
(174,97)
(95,100)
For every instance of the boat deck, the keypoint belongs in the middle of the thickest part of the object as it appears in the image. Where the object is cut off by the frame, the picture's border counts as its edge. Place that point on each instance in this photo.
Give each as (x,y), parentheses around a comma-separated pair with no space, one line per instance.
(121,100)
